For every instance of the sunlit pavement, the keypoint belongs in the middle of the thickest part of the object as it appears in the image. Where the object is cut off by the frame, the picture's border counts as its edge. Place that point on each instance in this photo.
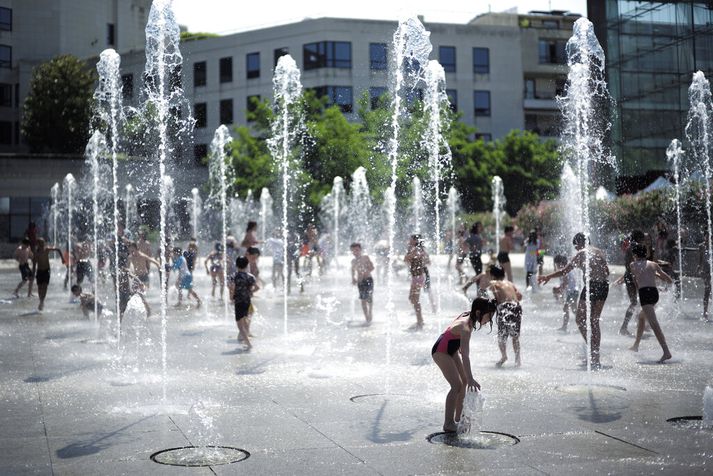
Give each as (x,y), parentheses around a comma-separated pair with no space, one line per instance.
(332,396)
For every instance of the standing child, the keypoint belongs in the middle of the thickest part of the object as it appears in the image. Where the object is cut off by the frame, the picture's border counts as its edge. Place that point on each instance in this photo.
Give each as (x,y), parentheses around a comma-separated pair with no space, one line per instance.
(645,273)
(568,290)
(361,277)
(532,247)
(23,254)
(506,246)
(245,285)
(185,278)
(482,280)
(416,259)
(216,269)
(509,314)
(42,257)
(276,247)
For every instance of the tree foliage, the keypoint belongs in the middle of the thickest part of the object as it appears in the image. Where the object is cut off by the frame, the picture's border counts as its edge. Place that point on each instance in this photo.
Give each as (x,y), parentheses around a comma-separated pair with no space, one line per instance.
(58,107)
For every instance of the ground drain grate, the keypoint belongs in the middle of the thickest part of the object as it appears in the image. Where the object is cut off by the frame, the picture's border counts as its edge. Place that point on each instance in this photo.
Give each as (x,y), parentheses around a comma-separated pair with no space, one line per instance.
(196,456)
(584,389)
(379,397)
(694,422)
(483,440)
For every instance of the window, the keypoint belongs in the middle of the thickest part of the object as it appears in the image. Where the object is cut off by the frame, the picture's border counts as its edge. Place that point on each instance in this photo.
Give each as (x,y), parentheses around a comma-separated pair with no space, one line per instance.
(552,52)
(199,74)
(339,95)
(545,124)
(484,136)
(482,103)
(226,111)
(447,58)
(327,54)
(279,53)
(6,95)
(481,60)
(452,95)
(252,103)
(110,34)
(377,56)
(5,133)
(17,212)
(127,86)
(551,24)
(200,112)
(226,70)
(5,19)
(5,56)
(252,65)
(530,91)
(200,151)
(376,95)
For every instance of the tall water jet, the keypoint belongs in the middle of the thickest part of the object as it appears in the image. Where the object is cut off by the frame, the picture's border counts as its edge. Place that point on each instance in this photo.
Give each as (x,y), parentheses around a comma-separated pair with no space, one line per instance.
(359,209)
(698,132)
(585,126)
(69,185)
(570,190)
(452,205)
(131,212)
(338,195)
(674,154)
(265,212)
(108,97)
(54,211)
(498,207)
(416,205)
(196,210)
(285,128)
(164,101)
(96,149)
(220,176)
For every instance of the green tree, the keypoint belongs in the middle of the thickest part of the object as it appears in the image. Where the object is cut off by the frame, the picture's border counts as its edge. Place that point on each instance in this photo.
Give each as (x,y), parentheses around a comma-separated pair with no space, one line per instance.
(59,105)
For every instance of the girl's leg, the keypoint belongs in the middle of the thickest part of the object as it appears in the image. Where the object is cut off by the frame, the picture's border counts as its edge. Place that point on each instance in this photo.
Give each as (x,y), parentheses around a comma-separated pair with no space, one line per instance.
(650,314)
(596,308)
(42,293)
(450,371)
(464,381)
(639,332)
(193,293)
(581,318)
(243,328)
(415,298)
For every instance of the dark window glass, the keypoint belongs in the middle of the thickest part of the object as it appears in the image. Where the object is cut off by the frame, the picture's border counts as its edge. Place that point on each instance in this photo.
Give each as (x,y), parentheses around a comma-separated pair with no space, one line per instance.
(482,103)
(127,86)
(6,95)
(279,53)
(252,103)
(551,24)
(447,58)
(226,70)
(200,112)
(452,99)
(376,95)
(484,136)
(199,74)
(226,111)
(339,95)
(560,87)
(200,151)
(5,19)
(110,34)
(327,54)
(481,60)
(5,56)
(530,91)
(5,132)
(377,56)
(252,65)
(552,51)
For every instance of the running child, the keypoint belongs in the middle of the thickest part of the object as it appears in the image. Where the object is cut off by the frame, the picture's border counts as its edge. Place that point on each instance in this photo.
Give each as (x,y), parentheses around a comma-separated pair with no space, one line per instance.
(245,284)
(645,273)
(87,301)
(482,280)
(23,254)
(509,315)
(361,277)
(567,290)
(42,258)
(185,278)
(451,353)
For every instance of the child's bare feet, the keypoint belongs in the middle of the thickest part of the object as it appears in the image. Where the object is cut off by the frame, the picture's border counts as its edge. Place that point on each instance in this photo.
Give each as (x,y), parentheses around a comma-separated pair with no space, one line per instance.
(665,357)
(635,348)
(501,362)
(450,427)
(518,362)
(624,332)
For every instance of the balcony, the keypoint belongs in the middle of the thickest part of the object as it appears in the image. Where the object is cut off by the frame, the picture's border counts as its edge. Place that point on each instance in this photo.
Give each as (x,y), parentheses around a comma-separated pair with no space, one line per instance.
(541,103)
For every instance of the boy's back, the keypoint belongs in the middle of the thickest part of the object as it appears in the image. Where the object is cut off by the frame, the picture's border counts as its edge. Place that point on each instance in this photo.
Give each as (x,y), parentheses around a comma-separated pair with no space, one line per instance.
(645,273)
(504,291)
(244,283)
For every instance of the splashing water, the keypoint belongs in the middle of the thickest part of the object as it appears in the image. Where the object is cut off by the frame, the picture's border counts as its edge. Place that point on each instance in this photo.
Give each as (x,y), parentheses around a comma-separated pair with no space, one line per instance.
(698,132)
(69,185)
(674,154)
(131,210)
(54,210)
(359,209)
(220,176)
(498,207)
(96,148)
(265,212)
(585,127)
(453,205)
(196,211)
(416,205)
(338,193)
(286,128)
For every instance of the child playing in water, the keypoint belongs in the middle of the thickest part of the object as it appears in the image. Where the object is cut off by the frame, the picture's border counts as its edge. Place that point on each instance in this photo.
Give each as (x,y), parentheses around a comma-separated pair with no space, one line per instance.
(185,278)
(567,290)
(245,284)
(216,269)
(361,277)
(532,247)
(87,301)
(451,352)
(509,314)
(506,246)
(645,273)
(417,259)
(482,280)
(42,258)
(23,254)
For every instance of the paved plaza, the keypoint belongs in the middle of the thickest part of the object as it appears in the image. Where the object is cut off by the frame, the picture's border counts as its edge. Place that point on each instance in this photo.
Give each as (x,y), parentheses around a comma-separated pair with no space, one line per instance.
(331,396)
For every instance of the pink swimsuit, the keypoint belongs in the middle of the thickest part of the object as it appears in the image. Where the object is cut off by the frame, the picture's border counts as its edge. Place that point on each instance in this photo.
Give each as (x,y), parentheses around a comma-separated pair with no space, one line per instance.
(448,342)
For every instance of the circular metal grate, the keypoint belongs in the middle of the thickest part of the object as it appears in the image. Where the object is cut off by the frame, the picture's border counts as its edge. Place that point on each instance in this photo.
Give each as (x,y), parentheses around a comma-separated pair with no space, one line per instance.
(482,440)
(196,456)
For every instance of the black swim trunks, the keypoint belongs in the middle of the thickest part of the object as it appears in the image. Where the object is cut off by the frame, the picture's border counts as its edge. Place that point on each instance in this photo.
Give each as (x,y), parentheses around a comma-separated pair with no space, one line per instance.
(509,319)
(600,291)
(648,295)
(476,262)
(366,288)
(43,276)
(241,309)
(26,272)
(503,257)
(630,287)
(84,268)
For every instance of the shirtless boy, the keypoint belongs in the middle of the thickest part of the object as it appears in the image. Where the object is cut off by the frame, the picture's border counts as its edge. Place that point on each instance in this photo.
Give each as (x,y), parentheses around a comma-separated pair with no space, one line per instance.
(141,263)
(482,280)
(506,246)
(645,273)
(42,258)
(361,277)
(23,254)
(509,315)
(82,252)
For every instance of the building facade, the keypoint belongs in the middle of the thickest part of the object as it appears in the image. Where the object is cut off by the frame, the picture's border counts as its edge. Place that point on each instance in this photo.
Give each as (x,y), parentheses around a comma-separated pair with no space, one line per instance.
(652,50)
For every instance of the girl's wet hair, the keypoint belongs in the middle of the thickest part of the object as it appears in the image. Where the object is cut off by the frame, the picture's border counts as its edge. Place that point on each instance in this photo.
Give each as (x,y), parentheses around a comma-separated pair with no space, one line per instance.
(485,306)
